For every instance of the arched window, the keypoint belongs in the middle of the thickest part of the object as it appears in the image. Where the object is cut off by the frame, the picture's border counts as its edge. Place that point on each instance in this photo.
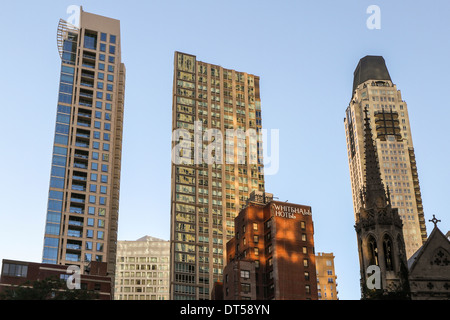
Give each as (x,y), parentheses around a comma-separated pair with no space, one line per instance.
(388,253)
(372,250)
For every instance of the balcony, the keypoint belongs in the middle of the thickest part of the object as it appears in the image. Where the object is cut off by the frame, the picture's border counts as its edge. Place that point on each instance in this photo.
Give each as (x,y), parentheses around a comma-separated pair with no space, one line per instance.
(76,209)
(82,143)
(88,84)
(78,187)
(84,123)
(89,56)
(73,257)
(77,200)
(85,103)
(87,64)
(74,233)
(83,113)
(79,178)
(86,94)
(76,222)
(80,165)
(83,133)
(87,74)
(387,123)
(81,154)
(74,245)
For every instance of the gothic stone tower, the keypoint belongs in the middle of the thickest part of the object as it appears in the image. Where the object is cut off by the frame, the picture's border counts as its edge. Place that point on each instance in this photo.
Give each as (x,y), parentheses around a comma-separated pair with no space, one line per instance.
(379,230)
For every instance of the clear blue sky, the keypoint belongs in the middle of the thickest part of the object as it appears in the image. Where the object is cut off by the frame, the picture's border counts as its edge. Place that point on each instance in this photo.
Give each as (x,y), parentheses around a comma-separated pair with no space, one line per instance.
(305,53)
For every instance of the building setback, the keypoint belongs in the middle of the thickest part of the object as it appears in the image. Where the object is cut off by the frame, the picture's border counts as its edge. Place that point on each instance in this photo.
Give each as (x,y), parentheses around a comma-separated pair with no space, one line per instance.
(271,256)
(207,195)
(83,202)
(388,112)
(142,269)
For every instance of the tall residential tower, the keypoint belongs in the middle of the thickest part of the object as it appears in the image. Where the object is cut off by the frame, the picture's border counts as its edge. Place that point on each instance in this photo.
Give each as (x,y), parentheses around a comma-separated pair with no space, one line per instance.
(207,194)
(83,203)
(388,115)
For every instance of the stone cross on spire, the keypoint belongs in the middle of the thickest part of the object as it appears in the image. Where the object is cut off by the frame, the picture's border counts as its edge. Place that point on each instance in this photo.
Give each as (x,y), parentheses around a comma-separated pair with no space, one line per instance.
(435,221)
(375,194)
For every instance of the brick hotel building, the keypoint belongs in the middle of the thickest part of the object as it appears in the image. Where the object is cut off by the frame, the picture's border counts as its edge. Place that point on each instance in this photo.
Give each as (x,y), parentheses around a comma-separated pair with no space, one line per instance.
(271,256)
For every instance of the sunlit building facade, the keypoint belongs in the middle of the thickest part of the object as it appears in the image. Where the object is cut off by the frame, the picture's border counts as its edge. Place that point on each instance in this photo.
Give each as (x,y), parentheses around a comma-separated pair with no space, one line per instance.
(271,256)
(388,112)
(207,195)
(326,277)
(83,204)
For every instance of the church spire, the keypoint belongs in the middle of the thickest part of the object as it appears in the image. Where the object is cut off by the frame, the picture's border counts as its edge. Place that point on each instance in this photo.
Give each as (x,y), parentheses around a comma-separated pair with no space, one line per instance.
(374,193)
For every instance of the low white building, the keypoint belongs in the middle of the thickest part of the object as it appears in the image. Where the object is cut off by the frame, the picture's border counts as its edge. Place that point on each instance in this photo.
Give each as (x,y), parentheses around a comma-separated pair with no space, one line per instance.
(142,269)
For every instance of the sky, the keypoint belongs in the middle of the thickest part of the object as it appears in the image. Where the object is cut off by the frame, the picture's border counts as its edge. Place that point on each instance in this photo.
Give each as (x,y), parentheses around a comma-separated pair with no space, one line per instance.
(305,53)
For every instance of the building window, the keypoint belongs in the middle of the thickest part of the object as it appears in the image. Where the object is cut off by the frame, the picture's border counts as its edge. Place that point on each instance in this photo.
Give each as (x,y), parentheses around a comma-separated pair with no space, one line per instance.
(305,263)
(15,270)
(245,287)
(306,275)
(245,274)
(255,226)
(307,289)
(90,40)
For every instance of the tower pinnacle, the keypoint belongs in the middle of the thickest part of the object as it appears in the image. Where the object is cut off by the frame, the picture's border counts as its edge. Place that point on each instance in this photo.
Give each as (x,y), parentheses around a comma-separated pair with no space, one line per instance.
(374,193)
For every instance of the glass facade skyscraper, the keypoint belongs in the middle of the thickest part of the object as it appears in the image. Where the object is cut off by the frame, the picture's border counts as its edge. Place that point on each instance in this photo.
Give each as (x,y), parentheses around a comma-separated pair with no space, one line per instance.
(83,203)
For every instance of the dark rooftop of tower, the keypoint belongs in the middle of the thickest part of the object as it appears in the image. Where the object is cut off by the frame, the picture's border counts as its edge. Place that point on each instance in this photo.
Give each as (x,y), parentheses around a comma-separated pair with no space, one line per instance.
(370,68)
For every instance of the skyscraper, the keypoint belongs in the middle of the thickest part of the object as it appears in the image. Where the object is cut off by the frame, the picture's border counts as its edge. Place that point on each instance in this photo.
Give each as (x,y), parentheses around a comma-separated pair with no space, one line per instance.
(388,112)
(211,177)
(83,203)
(379,231)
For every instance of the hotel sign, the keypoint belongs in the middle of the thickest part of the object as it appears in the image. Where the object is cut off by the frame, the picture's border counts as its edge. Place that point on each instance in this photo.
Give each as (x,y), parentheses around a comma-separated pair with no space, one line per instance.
(289,212)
